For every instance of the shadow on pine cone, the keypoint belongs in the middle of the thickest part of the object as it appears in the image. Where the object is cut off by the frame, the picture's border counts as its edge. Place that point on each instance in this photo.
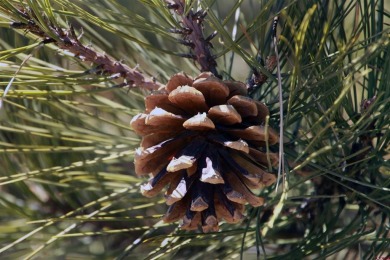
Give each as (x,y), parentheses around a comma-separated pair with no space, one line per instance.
(201,138)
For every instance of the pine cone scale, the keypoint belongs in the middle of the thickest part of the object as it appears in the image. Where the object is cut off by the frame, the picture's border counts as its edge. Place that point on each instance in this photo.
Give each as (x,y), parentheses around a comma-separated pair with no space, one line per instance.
(224,114)
(245,106)
(161,100)
(199,122)
(214,91)
(210,173)
(147,160)
(189,99)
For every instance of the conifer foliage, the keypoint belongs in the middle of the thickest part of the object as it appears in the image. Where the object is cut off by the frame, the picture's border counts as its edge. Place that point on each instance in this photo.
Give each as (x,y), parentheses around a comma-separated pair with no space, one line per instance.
(199,81)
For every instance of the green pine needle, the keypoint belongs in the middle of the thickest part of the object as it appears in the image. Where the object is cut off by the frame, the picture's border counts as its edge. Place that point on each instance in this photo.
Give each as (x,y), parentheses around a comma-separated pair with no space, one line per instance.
(67,184)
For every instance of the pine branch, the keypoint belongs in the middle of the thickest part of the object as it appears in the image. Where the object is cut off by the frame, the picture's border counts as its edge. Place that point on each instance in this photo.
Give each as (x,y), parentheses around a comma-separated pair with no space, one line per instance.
(66,39)
(258,78)
(192,31)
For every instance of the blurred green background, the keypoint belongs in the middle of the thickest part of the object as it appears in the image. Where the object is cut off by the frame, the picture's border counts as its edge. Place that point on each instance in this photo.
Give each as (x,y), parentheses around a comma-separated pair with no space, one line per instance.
(67,183)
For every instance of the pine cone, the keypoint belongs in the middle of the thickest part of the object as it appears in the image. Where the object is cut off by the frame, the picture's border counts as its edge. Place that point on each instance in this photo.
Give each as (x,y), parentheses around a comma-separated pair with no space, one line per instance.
(201,138)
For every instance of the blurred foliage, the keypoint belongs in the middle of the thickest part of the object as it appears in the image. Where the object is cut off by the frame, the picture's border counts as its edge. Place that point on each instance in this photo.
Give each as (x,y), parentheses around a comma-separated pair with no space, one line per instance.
(67,183)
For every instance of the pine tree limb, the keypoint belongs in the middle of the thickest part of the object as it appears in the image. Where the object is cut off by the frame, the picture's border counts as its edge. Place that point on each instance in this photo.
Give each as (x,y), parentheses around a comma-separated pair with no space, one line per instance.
(67,40)
(192,23)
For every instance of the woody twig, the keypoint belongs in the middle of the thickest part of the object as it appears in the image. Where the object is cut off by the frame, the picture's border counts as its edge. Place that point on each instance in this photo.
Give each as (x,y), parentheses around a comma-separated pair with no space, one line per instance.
(192,31)
(107,65)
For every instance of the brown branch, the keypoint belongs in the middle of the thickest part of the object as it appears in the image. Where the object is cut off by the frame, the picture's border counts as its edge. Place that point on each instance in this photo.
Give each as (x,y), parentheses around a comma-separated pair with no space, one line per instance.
(258,78)
(192,30)
(67,40)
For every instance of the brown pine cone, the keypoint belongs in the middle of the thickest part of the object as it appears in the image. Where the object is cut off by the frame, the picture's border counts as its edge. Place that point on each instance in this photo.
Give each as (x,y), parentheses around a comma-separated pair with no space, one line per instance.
(201,138)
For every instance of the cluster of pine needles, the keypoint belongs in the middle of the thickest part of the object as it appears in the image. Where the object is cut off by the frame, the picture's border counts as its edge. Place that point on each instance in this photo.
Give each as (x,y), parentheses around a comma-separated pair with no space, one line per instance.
(74,73)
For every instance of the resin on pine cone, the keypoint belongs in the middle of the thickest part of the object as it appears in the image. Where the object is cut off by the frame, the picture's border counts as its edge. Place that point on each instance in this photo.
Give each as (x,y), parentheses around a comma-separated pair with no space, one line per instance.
(202,138)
